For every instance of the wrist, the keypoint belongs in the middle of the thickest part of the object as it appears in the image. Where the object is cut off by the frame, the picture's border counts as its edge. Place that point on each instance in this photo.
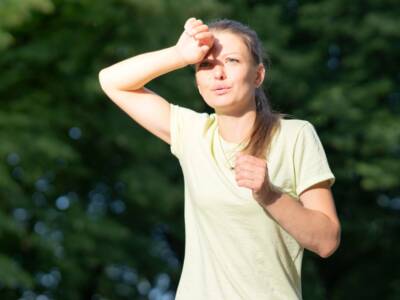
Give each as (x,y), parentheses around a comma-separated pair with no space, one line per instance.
(272,196)
(268,195)
(180,57)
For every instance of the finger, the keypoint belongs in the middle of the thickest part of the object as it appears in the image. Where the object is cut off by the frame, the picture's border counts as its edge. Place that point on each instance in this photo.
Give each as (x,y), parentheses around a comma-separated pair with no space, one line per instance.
(203,35)
(197,29)
(241,158)
(189,21)
(245,183)
(205,48)
(197,22)
(257,180)
(239,154)
(250,176)
(189,25)
(245,174)
(242,173)
(200,28)
(247,166)
(251,161)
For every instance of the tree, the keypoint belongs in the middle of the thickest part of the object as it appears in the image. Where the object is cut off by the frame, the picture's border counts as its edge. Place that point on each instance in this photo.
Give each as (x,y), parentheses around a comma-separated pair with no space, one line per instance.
(92,205)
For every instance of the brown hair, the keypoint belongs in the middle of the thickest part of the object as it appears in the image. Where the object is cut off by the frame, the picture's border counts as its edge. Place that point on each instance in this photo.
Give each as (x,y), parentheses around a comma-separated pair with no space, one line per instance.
(267,122)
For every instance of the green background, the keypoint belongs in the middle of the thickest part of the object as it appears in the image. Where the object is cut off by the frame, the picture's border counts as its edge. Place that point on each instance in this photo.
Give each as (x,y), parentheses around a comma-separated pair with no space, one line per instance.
(91,204)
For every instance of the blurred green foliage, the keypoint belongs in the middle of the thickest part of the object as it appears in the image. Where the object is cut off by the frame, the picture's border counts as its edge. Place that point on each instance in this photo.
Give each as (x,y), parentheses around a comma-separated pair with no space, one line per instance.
(91,205)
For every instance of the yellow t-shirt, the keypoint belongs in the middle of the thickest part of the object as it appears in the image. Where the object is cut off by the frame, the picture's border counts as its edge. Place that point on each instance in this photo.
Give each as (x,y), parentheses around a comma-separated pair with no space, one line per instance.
(233,248)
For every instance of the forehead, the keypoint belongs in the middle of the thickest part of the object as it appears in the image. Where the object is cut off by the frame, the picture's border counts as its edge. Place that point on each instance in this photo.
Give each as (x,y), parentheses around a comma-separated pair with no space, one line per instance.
(227,43)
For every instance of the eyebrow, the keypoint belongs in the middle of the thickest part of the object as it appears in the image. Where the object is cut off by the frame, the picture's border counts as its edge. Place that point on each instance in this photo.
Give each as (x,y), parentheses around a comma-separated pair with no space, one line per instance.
(225,54)
(230,53)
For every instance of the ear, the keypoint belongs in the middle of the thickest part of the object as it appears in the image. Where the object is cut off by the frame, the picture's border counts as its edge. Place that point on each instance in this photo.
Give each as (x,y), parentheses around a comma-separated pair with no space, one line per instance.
(260,75)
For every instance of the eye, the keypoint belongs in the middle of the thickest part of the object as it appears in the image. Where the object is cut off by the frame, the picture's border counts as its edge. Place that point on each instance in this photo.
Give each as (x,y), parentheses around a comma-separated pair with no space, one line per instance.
(233,60)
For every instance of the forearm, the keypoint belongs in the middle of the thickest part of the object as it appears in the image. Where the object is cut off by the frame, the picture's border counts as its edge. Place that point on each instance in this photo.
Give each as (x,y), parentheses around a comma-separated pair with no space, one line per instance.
(312,229)
(133,73)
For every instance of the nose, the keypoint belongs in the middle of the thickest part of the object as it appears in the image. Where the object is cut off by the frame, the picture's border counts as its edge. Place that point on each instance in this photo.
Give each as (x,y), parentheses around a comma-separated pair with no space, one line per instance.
(219,72)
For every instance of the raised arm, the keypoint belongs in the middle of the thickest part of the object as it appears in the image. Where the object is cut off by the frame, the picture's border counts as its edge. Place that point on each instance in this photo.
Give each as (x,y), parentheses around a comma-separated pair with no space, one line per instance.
(124,81)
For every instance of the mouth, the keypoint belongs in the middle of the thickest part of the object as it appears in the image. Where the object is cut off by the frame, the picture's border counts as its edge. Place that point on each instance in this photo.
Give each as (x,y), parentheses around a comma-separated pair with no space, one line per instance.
(221,90)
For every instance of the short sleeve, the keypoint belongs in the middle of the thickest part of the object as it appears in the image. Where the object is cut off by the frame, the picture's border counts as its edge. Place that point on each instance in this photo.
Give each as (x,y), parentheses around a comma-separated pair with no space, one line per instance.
(310,162)
(183,122)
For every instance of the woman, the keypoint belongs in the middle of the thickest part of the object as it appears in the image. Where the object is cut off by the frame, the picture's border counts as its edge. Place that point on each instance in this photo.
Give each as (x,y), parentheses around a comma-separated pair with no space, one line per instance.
(257,186)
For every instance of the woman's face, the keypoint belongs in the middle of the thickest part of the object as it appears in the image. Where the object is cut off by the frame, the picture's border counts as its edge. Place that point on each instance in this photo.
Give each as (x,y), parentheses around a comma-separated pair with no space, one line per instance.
(227,77)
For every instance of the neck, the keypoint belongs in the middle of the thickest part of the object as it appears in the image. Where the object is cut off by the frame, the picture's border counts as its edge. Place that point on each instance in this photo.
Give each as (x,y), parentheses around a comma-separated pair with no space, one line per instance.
(236,127)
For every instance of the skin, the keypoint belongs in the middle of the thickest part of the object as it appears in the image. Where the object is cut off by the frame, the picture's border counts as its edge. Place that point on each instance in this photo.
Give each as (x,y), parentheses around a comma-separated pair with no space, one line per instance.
(222,58)
(229,63)
(312,219)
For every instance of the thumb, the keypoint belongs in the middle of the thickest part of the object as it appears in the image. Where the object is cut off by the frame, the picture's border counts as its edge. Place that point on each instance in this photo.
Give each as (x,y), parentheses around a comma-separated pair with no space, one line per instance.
(204,49)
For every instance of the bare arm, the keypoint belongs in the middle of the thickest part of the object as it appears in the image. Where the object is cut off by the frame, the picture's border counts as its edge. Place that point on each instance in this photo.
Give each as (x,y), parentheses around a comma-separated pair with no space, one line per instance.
(133,73)
(124,84)
(312,221)
(124,81)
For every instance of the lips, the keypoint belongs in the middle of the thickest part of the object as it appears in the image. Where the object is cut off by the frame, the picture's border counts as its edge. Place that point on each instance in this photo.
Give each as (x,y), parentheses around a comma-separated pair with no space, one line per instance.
(221,89)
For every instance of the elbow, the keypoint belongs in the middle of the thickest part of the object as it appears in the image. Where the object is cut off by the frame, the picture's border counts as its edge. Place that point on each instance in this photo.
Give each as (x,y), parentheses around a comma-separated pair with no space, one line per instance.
(332,244)
(328,251)
(102,80)
(106,80)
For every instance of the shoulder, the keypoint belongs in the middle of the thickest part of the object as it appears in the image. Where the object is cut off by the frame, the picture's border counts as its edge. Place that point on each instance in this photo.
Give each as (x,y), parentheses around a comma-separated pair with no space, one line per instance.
(185,110)
(292,132)
(291,128)
(293,124)
(187,113)
(190,119)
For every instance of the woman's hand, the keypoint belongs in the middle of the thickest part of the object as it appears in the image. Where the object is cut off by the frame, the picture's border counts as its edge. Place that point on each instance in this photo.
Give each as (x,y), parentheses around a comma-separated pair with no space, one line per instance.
(252,172)
(195,41)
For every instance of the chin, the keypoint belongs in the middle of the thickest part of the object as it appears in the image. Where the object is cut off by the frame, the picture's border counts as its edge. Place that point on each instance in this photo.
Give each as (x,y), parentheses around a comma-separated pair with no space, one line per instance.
(218,107)
(219,102)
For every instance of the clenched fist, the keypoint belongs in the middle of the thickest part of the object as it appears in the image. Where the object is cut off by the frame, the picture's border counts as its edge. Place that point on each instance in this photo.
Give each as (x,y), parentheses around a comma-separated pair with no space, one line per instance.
(252,172)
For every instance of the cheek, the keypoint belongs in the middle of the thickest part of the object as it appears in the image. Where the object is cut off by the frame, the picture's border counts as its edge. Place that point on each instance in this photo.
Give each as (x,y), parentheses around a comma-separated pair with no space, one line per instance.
(239,74)
(199,88)
(201,83)
(249,75)
(198,80)
(245,79)
(200,91)
(246,86)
